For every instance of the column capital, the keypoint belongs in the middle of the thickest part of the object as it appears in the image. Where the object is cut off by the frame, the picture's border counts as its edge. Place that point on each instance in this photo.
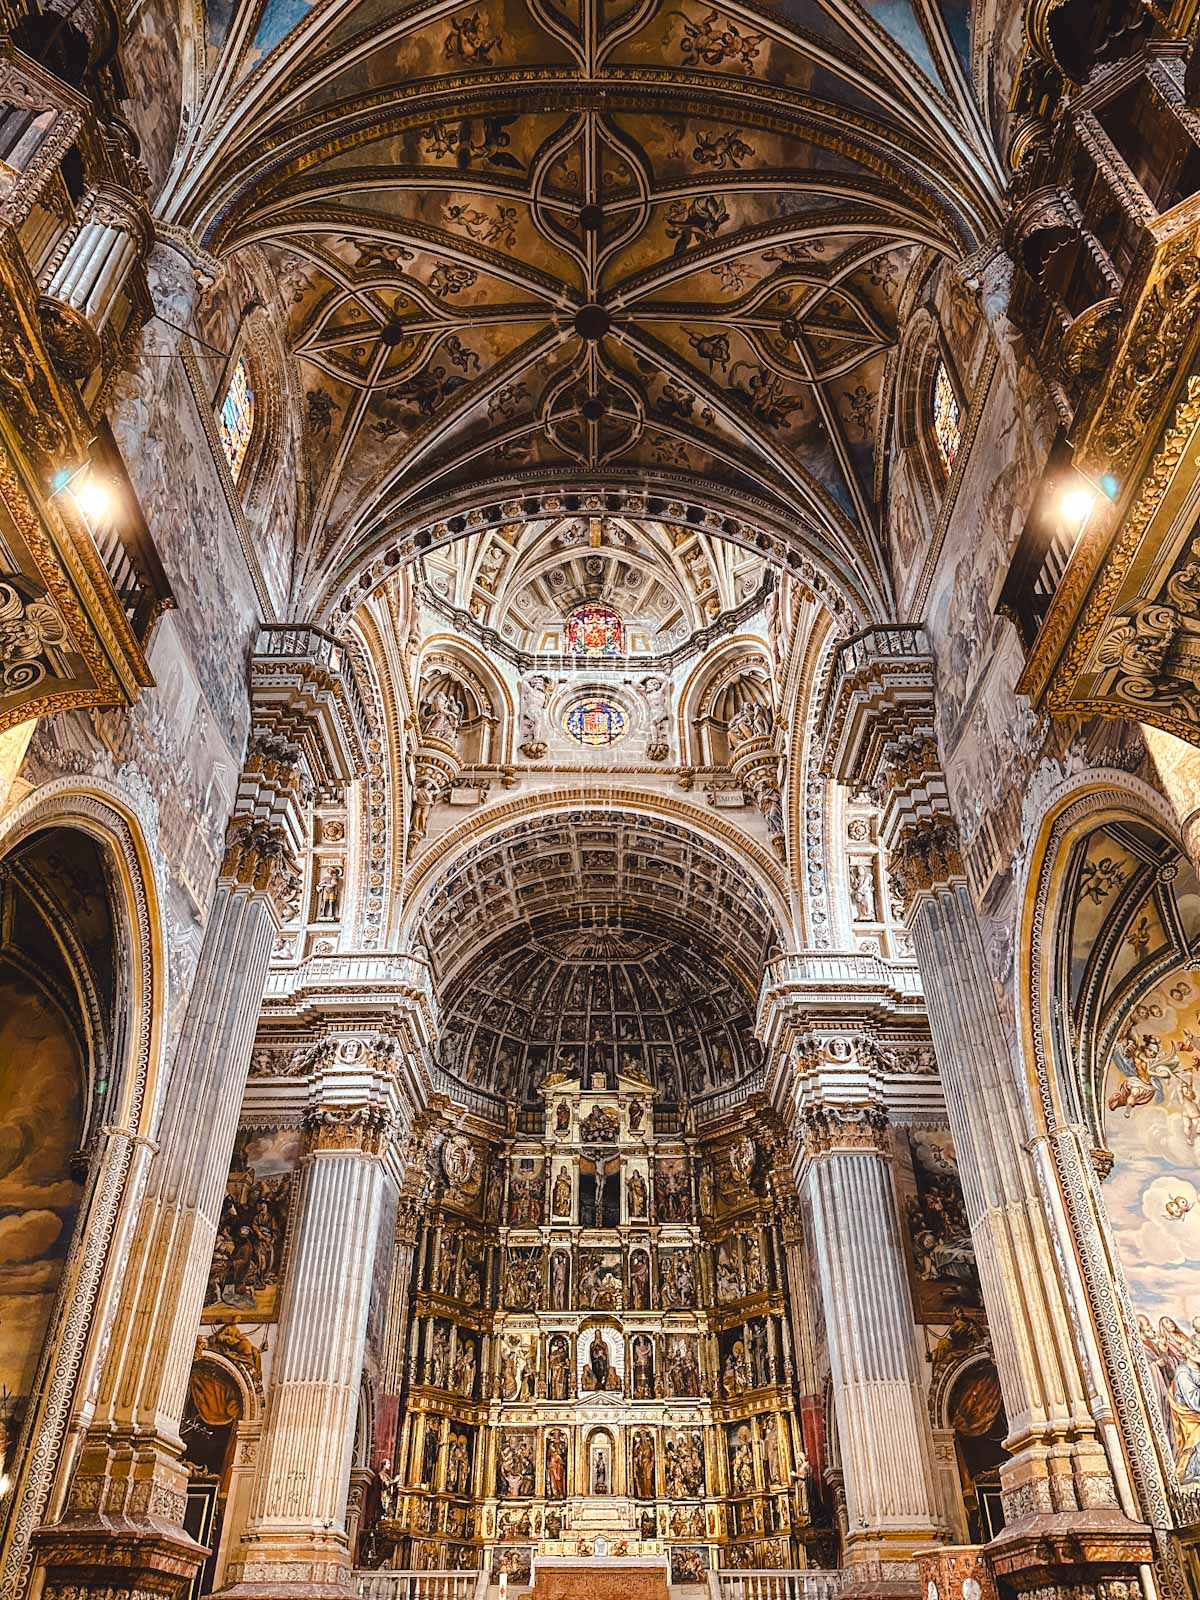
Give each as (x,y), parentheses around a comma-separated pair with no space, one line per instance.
(827,1128)
(258,854)
(926,856)
(364,1128)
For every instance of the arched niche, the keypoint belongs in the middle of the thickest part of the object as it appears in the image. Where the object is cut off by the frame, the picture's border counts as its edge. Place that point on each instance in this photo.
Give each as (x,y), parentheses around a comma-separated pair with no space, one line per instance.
(82,996)
(974,1415)
(732,679)
(1110,1011)
(450,669)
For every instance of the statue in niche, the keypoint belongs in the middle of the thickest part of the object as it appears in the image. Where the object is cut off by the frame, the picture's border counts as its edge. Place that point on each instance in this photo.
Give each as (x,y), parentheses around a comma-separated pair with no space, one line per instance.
(760,1361)
(558,1368)
(424,798)
(430,1446)
(648,1525)
(562,1118)
(556,1464)
(643,1367)
(560,1281)
(751,722)
(446,1264)
(639,1281)
(440,717)
(329,891)
(561,1199)
(389,1492)
(742,1156)
(771,1452)
(657,694)
(729,1278)
(643,1465)
(439,1358)
(470,1283)
(534,693)
(752,1254)
(458,1466)
(741,1462)
(600,1466)
(637,1116)
(554,1524)
(637,1196)
(464,1370)
(862,891)
(735,1374)
(802,1482)
(600,1376)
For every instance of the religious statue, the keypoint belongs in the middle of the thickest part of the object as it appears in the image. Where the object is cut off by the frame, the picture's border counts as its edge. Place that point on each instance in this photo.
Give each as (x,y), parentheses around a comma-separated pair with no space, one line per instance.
(535,691)
(657,694)
(760,1361)
(458,1464)
(742,1155)
(752,1255)
(389,1492)
(598,1375)
(750,722)
(600,1468)
(729,1279)
(639,1281)
(329,882)
(862,891)
(741,1463)
(682,1370)
(561,1198)
(562,1118)
(643,1465)
(771,1452)
(558,1368)
(560,1281)
(439,1358)
(637,1116)
(556,1464)
(637,1195)
(514,1466)
(516,1368)
(733,1374)
(685,1463)
(643,1367)
(430,1446)
(424,798)
(440,717)
(464,1369)
(677,1281)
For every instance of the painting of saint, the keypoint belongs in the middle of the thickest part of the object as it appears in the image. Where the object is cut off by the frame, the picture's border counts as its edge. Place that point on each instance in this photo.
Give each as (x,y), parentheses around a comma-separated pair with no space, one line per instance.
(685,1463)
(525,1194)
(247,1259)
(941,1254)
(600,1281)
(642,1465)
(728,1272)
(672,1190)
(556,1464)
(523,1279)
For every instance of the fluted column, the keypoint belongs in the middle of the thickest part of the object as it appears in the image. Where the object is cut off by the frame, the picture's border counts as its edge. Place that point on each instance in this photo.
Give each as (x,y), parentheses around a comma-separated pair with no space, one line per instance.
(129,1473)
(882,1421)
(296,1537)
(1035,1299)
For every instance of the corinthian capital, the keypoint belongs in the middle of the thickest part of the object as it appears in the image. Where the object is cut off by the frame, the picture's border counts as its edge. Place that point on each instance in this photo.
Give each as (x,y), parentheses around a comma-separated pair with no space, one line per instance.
(824,1128)
(362,1128)
(258,855)
(927,856)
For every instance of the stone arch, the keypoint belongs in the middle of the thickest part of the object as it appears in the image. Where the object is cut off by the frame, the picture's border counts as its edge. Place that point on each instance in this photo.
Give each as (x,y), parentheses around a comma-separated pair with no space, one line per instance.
(1066,1126)
(482,693)
(87,1295)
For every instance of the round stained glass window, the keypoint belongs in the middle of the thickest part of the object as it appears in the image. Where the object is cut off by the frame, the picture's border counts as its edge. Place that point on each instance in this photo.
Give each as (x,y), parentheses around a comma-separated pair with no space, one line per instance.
(595,722)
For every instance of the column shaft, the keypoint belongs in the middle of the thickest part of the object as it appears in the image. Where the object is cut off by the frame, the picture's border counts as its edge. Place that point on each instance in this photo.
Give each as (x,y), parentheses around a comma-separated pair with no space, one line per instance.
(883,1426)
(297,1530)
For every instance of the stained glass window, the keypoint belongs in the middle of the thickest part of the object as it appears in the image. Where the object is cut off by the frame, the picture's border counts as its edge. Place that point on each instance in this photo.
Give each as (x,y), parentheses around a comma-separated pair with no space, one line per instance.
(236,421)
(595,630)
(595,722)
(947,418)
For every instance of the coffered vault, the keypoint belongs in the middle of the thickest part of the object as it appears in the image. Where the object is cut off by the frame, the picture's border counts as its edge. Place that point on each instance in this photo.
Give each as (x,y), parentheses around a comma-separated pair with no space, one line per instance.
(505,257)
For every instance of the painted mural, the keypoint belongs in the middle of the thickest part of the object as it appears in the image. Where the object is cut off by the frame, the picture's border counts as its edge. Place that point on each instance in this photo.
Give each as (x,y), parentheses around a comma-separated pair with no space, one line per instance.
(1152,1126)
(41,1125)
(247,1264)
(940,1253)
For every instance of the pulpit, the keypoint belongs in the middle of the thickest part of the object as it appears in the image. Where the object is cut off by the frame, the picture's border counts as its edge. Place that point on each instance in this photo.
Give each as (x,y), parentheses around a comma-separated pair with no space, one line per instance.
(600,1577)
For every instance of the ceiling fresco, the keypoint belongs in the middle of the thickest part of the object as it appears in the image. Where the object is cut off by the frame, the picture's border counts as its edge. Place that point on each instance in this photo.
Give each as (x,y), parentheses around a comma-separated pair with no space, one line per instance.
(554,239)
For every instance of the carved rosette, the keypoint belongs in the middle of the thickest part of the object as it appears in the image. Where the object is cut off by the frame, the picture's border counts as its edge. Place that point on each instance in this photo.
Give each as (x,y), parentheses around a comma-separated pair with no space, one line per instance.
(347,1128)
(827,1128)
(927,856)
(257,854)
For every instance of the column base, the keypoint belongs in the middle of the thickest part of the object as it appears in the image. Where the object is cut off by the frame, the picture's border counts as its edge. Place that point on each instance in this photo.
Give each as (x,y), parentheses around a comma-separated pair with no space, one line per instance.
(888,1544)
(117,1557)
(1069,1553)
(945,1573)
(288,1568)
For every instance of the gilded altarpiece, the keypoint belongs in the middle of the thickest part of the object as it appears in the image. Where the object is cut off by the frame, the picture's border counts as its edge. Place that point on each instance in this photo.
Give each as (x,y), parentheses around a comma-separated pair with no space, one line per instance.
(598,1356)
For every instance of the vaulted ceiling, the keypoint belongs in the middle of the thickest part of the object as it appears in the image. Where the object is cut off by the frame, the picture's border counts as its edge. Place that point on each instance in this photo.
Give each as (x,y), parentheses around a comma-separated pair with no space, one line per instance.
(557,241)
